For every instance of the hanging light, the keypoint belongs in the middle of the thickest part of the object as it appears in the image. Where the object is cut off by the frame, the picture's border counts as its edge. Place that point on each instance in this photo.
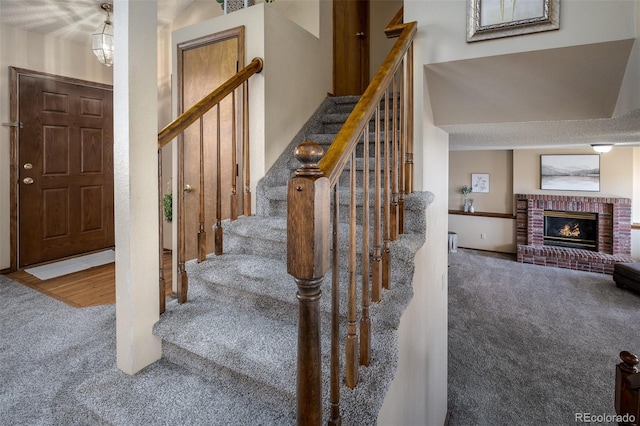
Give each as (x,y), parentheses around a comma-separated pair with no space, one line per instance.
(601,147)
(102,39)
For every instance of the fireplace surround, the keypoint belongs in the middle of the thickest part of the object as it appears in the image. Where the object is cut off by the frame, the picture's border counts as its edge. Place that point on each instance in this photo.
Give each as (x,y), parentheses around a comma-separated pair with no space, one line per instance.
(612,233)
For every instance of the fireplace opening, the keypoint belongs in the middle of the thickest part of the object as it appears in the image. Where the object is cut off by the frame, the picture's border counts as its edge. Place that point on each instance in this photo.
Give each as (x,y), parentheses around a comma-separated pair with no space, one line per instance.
(571,229)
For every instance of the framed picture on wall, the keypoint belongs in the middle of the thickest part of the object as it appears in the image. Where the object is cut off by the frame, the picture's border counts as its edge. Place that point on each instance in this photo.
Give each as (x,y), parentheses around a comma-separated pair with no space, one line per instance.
(489,19)
(570,172)
(480,182)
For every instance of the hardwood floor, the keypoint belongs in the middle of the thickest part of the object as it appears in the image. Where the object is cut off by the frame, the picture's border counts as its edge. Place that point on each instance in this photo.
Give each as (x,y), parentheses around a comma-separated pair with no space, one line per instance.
(91,287)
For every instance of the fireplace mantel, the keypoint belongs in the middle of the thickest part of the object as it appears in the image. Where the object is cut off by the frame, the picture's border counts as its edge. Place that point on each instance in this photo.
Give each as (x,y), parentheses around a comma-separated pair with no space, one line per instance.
(614,231)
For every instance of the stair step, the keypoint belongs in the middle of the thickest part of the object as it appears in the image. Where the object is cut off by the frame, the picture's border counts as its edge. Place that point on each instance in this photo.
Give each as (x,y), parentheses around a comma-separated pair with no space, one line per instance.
(239,331)
(414,205)
(213,337)
(239,325)
(117,399)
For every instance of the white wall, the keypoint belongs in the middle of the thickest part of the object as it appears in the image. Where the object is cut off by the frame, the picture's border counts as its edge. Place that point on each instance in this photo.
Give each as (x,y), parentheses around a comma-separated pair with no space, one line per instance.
(442,37)
(298,76)
(381,12)
(35,52)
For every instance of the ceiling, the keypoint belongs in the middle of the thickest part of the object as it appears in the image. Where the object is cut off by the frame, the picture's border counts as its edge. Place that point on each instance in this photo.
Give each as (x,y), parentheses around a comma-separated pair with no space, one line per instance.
(554,97)
(72,19)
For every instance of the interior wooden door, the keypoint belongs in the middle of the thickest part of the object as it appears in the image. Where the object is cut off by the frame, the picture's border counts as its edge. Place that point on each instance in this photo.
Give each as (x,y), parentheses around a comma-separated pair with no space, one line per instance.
(205,64)
(65,169)
(350,47)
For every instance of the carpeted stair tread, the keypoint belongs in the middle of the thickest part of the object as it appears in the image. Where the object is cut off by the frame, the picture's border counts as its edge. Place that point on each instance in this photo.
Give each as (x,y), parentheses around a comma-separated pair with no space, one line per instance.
(245,272)
(265,236)
(139,400)
(253,335)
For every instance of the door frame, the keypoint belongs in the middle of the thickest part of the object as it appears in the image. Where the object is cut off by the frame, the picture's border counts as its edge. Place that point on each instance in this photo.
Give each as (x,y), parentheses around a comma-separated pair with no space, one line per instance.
(178,171)
(14,142)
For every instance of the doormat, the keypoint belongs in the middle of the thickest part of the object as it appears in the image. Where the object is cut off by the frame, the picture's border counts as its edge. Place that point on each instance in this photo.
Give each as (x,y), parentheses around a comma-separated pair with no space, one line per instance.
(69,266)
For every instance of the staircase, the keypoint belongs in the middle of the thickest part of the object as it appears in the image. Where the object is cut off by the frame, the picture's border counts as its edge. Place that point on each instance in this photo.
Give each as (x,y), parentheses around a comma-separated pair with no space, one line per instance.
(238,331)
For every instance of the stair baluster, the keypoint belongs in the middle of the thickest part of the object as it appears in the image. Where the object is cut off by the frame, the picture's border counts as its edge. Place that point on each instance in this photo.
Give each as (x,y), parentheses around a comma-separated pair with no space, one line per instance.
(386,225)
(202,233)
(246,202)
(376,260)
(161,280)
(401,148)
(408,161)
(351,344)
(365,321)
(217,229)
(335,418)
(233,198)
(393,221)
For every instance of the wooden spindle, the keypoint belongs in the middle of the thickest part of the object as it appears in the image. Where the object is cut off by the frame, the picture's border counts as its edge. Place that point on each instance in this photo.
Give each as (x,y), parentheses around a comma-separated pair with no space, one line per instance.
(202,233)
(351,344)
(217,229)
(627,401)
(234,160)
(308,260)
(161,281)
(335,418)
(182,286)
(393,220)
(376,260)
(365,321)
(386,227)
(401,151)
(246,202)
(408,162)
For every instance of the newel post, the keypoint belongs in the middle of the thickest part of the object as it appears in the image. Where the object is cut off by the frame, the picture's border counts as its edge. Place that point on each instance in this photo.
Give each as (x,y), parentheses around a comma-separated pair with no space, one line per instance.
(308,239)
(627,399)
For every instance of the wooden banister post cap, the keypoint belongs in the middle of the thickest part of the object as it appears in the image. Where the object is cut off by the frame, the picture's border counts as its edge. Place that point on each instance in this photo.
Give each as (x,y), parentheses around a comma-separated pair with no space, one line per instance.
(629,359)
(309,155)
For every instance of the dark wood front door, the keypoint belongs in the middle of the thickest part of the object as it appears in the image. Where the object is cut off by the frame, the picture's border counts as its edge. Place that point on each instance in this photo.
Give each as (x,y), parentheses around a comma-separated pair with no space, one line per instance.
(64,169)
(350,47)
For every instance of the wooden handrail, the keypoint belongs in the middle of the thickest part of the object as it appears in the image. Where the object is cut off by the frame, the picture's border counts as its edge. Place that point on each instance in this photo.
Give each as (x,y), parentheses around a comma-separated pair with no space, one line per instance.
(192,114)
(308,222)
(175,128)
(395,27)
(340,150)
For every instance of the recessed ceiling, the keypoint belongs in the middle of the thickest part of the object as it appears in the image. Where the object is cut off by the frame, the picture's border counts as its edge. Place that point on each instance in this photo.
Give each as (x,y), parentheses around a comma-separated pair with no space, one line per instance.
(563,96)
(71,19)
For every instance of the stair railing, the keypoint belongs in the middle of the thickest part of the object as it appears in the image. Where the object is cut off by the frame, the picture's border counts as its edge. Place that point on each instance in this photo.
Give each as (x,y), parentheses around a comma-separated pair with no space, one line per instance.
(627,391)
(176,128)
(312,239)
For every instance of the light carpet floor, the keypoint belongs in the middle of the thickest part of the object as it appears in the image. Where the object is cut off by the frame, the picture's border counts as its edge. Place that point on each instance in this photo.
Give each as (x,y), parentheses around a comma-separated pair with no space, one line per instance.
(533,345)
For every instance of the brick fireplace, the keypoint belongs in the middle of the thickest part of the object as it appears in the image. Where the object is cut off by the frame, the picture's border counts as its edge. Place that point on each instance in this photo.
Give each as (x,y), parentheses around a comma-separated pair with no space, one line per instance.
(613,232)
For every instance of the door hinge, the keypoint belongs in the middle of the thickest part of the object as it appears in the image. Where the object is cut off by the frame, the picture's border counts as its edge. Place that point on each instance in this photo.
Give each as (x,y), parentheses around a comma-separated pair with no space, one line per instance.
(13,124)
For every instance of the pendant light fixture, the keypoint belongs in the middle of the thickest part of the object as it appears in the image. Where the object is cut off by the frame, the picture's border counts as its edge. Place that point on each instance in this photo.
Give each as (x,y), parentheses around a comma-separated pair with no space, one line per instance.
(102,39)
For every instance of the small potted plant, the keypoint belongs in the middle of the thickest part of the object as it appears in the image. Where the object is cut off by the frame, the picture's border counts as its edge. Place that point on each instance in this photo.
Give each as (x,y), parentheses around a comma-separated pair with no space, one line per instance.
(465,190)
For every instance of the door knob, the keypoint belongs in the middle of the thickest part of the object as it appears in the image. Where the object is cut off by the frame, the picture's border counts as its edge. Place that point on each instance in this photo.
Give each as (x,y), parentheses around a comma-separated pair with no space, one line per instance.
(27,181)
(360,34)
(28,166)
(188,188)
